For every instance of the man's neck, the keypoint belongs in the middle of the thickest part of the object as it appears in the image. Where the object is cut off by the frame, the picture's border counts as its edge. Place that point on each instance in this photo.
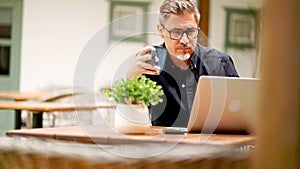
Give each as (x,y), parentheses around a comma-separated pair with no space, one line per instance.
(183,65)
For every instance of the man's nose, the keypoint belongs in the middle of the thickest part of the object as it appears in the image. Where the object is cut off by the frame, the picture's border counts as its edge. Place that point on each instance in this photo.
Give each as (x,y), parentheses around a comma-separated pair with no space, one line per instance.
(184,39)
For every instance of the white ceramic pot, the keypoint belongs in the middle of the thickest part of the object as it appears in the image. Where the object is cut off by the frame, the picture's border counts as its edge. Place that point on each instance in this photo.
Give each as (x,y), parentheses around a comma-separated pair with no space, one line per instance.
(132,119)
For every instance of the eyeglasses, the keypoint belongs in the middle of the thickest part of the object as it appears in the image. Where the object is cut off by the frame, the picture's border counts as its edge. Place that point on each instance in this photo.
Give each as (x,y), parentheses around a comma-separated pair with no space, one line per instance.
(176,34)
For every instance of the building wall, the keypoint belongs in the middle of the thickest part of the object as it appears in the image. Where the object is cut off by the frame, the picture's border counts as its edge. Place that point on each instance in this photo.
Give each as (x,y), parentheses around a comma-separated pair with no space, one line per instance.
(245,60)
(54,34)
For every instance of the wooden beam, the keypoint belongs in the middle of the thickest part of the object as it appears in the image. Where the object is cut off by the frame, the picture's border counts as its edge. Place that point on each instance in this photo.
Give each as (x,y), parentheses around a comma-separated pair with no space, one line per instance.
(279,118)
(203,6)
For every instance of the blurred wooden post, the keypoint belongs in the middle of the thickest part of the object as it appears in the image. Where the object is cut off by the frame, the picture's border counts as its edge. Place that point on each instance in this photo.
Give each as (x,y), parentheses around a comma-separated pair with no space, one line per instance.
(279,125)
(203,6)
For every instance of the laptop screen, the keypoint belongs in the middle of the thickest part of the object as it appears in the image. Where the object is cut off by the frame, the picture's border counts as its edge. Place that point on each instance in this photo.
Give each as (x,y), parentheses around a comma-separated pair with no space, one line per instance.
(224,104)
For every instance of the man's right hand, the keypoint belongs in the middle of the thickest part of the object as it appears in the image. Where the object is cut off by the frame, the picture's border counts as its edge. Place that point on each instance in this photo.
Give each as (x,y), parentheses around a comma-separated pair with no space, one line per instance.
(140,65)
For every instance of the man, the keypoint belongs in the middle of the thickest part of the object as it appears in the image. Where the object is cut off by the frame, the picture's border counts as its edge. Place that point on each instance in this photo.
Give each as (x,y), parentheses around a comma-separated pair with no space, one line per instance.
(185,61)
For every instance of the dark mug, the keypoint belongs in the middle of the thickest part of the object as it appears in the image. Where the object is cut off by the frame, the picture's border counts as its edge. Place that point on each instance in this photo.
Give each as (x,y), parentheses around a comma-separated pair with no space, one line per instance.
(159,52)
(152,52)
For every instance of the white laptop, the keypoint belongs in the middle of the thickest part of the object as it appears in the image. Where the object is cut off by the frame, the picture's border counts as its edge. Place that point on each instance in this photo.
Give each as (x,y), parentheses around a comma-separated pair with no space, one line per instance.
(224,104)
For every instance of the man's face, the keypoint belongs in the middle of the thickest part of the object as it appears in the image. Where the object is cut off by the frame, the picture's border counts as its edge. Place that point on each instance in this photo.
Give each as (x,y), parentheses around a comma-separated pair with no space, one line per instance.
(183,47)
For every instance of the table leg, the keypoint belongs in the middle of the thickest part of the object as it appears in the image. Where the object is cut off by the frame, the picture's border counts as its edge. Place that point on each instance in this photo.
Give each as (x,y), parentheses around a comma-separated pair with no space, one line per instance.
(18,119)
(37,120)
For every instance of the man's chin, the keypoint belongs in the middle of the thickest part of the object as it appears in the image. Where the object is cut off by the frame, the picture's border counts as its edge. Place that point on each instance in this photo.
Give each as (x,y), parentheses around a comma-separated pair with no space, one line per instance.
(183,57)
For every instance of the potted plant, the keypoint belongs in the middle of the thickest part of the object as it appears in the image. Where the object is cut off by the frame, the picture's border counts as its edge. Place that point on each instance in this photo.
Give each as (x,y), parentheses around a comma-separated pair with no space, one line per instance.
(133,96)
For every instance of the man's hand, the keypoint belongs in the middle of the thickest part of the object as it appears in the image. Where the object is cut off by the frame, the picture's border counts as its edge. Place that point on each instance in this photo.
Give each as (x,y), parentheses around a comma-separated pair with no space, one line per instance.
(140,66)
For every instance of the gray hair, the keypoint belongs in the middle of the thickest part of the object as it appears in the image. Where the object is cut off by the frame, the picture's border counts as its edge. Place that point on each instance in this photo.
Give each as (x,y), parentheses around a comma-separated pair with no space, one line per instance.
(177,7)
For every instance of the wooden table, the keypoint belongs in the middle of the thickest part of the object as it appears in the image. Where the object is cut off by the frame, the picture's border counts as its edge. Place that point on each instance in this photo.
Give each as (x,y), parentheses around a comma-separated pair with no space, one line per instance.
(103,134)
(20,96)
(154,148)
(39,107)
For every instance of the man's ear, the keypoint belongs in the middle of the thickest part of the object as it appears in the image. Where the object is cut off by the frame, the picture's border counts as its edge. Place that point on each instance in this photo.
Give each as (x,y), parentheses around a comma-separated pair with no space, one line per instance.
(160,31)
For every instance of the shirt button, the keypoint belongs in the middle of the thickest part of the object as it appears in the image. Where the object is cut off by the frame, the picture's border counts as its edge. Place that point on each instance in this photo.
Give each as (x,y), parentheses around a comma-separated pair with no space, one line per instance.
(183,85)
(172,66)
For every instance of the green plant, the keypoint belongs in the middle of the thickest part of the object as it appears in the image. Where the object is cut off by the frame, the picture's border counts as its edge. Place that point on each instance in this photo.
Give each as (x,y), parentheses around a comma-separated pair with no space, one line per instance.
(135,91)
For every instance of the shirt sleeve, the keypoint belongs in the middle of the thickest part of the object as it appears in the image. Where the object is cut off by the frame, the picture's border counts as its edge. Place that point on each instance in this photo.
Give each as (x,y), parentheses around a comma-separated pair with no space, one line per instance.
(229,67)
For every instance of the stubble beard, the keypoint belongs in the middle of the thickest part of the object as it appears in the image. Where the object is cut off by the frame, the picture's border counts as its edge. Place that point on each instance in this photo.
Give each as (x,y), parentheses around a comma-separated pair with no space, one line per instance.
(183,57)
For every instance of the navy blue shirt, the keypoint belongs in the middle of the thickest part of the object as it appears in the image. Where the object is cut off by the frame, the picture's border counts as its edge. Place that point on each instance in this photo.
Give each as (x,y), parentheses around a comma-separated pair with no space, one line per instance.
(179,86)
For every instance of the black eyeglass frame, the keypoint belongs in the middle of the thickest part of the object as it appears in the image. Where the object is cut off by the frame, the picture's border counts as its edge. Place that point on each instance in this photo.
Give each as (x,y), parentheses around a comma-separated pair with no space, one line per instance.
(183,32)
